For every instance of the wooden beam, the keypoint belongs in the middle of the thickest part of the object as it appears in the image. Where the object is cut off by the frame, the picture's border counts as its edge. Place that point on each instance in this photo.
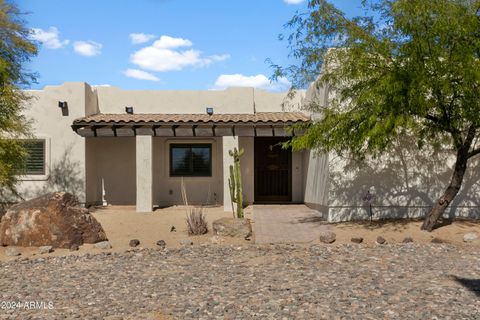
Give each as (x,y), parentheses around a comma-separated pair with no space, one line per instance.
(184,131)
(221,131)
(204,131)
(85,132)
(245,130)
(164,131)
(264,131)
(144,130)
(106,131)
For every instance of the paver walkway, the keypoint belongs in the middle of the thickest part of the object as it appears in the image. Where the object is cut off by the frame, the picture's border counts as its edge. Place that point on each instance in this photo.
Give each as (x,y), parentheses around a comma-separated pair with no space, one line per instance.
(287,223)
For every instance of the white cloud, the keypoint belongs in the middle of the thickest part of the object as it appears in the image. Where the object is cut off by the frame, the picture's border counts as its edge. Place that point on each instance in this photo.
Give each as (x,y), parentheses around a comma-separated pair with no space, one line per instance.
(293,1)
(139,74)
(49,38)
(258,81)
(165,54)
(87,48)
(137,38)
(167,42)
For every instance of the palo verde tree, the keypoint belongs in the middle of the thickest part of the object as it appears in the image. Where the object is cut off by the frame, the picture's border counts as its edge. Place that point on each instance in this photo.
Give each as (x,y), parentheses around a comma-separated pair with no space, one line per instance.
(401,67)
(15,50)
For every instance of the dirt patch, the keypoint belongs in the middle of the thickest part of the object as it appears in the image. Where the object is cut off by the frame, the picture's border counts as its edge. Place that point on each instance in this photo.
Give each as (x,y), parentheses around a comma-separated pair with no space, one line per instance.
(122,224)
(396,231)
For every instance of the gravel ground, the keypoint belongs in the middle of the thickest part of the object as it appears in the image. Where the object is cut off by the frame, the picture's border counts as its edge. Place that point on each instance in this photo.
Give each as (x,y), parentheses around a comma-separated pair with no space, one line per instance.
(405,281)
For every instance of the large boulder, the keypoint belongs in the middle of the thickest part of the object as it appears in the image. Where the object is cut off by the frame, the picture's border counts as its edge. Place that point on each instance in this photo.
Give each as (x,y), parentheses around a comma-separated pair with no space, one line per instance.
(232,227)
(53,219)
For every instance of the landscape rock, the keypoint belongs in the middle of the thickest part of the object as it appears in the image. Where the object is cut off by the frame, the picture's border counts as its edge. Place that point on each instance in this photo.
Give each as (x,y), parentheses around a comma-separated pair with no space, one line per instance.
(134,243)
(103,245)
(54,219)
(381,240)
(232,227)
(328,236)
(469,237)
(437,240)
(162,244)
(357,239)
(407,240)
(280,281)
(12,252)
(45,249)
(74,247)
(186,242)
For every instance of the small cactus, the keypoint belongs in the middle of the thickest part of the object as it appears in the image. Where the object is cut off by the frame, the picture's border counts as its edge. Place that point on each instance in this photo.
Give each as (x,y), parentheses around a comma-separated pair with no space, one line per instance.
(235,182)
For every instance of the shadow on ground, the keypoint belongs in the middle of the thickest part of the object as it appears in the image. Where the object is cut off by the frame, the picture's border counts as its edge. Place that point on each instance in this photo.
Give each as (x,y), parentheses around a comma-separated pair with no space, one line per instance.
(471,284)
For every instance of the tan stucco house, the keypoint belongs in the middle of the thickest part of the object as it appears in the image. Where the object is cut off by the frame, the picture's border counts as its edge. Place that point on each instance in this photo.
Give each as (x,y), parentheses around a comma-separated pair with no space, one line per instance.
(134,147)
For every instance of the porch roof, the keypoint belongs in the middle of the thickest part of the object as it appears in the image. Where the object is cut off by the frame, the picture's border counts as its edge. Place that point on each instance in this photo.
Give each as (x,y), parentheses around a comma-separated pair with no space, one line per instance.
(190,125)
(162,118)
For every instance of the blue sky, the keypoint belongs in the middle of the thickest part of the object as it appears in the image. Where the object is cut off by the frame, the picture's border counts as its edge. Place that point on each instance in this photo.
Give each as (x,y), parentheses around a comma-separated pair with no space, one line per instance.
(161,44)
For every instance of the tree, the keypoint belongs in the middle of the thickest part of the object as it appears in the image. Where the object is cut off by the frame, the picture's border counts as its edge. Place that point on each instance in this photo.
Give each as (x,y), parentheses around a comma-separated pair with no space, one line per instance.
(401,67)
(16,49)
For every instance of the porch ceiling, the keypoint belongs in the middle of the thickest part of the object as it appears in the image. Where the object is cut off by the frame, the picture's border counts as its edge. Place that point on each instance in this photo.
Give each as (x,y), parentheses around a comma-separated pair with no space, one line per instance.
(189,125)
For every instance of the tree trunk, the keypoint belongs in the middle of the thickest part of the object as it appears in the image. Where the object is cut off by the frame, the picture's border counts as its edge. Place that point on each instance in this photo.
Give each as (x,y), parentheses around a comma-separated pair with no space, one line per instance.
(452,190)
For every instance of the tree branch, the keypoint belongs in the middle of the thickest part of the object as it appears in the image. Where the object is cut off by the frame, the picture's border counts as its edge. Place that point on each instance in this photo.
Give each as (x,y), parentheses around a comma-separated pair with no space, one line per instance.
(473,153)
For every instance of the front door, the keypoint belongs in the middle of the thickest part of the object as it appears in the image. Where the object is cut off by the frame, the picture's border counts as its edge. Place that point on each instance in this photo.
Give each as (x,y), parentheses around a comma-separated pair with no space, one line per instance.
(273,170)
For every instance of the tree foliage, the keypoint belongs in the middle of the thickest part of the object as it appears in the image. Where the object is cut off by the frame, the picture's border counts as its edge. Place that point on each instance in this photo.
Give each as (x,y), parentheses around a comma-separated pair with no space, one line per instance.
(403,66)
(16,49)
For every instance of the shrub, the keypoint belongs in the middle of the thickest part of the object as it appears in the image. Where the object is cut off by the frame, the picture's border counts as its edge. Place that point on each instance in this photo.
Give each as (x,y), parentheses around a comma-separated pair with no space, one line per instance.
(196,222)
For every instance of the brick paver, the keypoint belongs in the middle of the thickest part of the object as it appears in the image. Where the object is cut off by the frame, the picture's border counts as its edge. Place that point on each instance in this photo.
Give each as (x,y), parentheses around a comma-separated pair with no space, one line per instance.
(287,223)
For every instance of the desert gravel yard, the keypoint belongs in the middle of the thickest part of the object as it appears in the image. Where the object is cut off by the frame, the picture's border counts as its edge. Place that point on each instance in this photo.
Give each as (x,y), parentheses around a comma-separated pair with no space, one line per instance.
(402,281)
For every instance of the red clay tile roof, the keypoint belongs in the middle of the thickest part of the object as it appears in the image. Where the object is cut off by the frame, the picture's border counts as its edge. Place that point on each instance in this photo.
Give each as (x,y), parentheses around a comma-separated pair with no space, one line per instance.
(259,117)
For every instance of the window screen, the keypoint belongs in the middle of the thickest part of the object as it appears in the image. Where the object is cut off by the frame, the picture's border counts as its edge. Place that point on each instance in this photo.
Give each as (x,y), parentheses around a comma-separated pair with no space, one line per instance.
(35,161)
(191,160)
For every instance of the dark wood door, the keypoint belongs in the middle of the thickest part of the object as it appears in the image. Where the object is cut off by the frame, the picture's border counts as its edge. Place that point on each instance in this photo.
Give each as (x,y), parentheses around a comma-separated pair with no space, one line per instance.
(273,171)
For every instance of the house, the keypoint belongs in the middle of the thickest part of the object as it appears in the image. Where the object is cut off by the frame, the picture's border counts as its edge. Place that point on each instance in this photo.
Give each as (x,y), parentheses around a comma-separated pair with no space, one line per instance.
(134,147)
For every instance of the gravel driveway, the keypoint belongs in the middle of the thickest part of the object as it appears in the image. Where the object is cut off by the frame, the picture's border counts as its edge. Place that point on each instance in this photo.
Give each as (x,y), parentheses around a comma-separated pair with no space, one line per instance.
(410,281)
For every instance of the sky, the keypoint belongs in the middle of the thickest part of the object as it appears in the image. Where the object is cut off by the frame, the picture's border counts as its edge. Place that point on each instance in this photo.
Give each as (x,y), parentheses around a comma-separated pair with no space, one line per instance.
(162,44)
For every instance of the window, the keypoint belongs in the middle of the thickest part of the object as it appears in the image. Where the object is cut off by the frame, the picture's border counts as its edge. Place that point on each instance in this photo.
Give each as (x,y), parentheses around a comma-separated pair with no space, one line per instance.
(35,161)
(191,160)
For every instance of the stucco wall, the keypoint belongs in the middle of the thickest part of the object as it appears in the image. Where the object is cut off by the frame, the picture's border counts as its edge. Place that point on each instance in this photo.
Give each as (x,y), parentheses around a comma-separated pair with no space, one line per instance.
(111,160)
(232,100)
(247,168)
(316,181)
(114,162)
(200,190)
(405,182)
(274,102)
(65,158)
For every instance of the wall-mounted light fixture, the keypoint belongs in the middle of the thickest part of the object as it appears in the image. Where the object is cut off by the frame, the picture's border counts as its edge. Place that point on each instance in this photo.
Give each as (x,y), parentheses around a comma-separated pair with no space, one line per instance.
(129,110)
(64,107)
(210,110)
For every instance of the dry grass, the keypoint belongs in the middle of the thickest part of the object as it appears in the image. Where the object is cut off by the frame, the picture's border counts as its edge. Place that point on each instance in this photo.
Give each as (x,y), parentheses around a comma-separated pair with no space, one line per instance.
(196,222)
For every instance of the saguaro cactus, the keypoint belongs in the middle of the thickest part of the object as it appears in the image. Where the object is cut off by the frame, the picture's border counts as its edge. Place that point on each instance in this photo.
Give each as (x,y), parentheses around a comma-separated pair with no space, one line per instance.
(235,182)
